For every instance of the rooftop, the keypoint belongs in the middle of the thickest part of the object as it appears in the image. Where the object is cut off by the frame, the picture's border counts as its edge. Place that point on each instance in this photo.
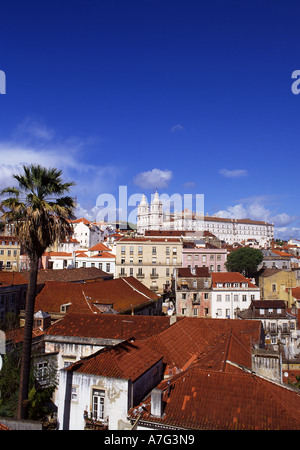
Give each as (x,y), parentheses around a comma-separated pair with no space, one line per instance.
(127,360)
(109,326)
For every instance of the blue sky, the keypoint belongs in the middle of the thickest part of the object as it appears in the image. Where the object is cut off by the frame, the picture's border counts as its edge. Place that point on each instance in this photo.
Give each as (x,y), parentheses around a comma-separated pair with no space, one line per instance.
(182,96)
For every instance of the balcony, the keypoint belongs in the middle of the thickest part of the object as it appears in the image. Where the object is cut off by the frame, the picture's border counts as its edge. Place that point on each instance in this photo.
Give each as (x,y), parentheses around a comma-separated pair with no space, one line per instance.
(94,424)
(122,275)
(154,288)
(140,275)
(154,276)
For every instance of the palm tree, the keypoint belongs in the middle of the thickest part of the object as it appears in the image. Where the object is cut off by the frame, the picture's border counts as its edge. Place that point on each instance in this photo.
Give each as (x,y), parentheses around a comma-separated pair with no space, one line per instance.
(39,213)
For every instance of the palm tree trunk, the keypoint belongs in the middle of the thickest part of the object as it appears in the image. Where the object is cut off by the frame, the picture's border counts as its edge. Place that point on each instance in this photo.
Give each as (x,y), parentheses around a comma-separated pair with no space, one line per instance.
(27,338)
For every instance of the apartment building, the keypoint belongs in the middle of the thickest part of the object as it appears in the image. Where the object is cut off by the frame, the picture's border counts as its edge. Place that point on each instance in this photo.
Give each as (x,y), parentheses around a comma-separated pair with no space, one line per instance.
(10,250)
(206,256)
(231,293)
(150,260)
(193,292)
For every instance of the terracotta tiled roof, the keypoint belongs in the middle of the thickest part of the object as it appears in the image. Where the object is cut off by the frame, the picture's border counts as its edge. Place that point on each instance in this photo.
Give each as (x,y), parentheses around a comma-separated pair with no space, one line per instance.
(82,219)
(100,247)
(213,400)
(3,427)
(12,278)
(69,275)
(122,293)
(198,336)
(104,255)
(296,292)
(127,360)
(185,272)
(230,277)
(16,335)
(109,326)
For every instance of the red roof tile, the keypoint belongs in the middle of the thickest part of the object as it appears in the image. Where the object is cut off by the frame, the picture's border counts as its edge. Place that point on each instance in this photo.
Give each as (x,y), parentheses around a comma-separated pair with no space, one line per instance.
(109,326)
(100,247)
(213,400)
(12,278)
(230,277)
(122,293)
(200,336)
(127,360)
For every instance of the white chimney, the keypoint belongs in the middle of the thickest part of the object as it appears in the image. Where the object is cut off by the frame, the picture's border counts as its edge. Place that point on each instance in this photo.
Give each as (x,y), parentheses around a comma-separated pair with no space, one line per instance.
(156,403)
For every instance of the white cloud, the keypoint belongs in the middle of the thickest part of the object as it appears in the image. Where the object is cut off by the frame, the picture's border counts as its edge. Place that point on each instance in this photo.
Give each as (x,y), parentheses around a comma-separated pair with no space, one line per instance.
(237,173)
(177,127)
(257,211)
(153,179)
(35,144)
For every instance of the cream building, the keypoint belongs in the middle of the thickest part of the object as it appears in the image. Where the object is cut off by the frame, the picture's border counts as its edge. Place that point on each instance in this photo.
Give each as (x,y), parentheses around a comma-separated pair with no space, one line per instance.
(10,250)
(152,217)
(150,260)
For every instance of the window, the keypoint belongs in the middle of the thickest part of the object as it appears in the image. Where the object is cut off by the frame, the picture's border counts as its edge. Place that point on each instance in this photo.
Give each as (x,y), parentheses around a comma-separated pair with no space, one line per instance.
(98,404)
(74,393)
(100,266)
(227,298)
(140,271)
(218,268)
(183,296)
(167,272)
(131,271)
(235,298)
(122,271)
(183,310)
(206,296)
(219,298)
(153,260)
(174,250)
(131,250)
(244,298)
(203,258)
(42,372)
(174,260)
(273,287)
(153,250)
(167,250)
(228,313)
(122,260)
(140,250)
(195,311)
(194,283)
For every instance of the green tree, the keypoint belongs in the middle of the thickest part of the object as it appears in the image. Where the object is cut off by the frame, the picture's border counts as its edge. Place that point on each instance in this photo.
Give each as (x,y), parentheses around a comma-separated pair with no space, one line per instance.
(244,260)
(39,211)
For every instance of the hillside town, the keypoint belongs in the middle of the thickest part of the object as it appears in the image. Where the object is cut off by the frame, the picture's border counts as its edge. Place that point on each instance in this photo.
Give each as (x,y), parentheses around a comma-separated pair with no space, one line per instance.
(149,329)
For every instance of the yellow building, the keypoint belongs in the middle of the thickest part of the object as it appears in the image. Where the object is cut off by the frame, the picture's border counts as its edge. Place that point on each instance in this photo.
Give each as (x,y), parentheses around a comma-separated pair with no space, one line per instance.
(10,250)
(150,260)
(276,284)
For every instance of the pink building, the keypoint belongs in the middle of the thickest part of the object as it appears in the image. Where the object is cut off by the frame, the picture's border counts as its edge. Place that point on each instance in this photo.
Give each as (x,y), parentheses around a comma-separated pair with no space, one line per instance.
(207,256)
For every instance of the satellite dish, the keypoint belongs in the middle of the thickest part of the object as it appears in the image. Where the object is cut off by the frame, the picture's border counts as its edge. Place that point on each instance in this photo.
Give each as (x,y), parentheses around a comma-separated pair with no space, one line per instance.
(286,374)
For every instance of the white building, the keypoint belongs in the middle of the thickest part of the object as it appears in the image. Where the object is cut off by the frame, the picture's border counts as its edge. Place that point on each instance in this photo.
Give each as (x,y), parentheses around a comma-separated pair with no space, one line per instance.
(231,292)
(86,232)
(99,390)
(152,217)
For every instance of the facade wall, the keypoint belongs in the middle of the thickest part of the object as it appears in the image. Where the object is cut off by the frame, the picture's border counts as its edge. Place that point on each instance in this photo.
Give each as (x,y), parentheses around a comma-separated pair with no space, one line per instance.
(225,301)
(278,286)
(214,259)
(10,250)
(71,405)
(151,261)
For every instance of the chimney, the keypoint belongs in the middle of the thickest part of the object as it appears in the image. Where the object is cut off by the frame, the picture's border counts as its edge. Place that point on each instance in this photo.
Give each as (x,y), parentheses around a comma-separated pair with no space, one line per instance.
(156,403)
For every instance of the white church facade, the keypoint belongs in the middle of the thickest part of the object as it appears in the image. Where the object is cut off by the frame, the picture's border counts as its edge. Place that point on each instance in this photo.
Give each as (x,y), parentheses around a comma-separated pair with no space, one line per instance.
(152,217)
